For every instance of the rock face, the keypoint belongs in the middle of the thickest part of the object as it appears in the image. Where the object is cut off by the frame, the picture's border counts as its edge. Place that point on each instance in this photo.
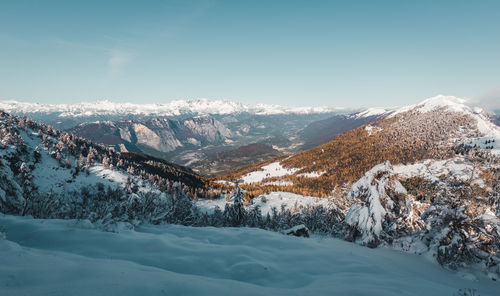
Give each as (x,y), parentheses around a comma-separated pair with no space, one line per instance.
(207,128)
(161,135)
(198,141)
(162,140)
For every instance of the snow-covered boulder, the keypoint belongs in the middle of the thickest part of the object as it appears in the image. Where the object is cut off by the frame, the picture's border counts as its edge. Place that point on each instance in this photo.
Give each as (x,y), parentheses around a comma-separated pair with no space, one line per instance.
(299,230)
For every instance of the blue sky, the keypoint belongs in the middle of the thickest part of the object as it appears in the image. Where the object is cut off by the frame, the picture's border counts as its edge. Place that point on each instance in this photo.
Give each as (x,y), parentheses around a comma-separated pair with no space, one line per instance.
(338,53)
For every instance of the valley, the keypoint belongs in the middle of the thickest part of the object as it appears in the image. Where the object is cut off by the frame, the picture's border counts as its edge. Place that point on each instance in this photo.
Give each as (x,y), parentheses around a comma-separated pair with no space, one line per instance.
(218,147)
(420,179)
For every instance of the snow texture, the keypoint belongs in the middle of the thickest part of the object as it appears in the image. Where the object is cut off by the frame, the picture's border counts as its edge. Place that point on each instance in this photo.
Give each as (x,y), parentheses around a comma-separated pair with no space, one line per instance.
(377,111)
(68,257)
(266,202)
(369,214)
(274,169)
(490,132)
(432,170)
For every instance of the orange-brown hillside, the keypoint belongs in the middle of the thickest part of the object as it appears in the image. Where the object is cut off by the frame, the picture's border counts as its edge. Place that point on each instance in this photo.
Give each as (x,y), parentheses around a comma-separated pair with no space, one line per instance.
(404,138)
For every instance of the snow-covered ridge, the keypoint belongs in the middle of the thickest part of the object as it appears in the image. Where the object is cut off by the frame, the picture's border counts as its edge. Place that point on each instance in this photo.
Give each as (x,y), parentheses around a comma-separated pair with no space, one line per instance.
(375,111)
(176,107)
(490,131)
(451,103)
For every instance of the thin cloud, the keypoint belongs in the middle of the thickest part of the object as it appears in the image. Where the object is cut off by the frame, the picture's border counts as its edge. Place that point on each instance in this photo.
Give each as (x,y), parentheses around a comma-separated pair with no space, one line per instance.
(490,100)
(116,59)
(117,62)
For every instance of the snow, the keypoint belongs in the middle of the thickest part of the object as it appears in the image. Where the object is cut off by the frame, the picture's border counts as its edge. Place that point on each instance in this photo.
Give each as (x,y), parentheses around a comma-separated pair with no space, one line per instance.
(51,177)
(311,174)
(274,169)
(175,107)
(368,215)
(377,111)
(452,103)
(432,170)
(280,183)
(225,182)
(372,129)
(488,129)
(67,257)
(266,202)
(291,201)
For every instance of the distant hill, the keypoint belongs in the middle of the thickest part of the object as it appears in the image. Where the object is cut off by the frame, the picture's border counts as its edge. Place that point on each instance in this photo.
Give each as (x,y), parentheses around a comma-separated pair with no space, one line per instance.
(322,131)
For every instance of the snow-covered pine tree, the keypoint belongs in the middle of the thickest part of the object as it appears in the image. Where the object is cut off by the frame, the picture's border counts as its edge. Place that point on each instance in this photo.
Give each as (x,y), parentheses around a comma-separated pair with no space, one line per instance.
(37,155)
(254,218)
(235,214)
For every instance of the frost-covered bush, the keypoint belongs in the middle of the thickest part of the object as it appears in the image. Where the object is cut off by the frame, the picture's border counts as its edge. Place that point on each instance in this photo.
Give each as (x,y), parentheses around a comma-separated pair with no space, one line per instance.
(458,239)
(380,205)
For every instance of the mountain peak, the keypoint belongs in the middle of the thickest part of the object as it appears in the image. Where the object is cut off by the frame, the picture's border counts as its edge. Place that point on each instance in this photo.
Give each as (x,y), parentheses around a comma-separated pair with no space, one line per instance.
(173,108)
(450,102)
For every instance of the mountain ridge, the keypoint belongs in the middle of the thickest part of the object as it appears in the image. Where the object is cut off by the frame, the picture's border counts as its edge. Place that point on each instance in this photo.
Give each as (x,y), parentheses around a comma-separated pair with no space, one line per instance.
(437,128)
(173,108)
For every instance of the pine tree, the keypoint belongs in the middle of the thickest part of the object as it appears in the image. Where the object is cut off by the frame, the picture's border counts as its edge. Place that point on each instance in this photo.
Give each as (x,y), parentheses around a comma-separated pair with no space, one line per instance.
(36,154)
(81,160)
(235,214)
(77,167)
(254,217)
(105,162)
(90,157)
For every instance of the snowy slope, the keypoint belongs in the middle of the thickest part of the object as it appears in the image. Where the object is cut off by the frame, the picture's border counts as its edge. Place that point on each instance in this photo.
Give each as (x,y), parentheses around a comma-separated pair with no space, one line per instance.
(67,257)
(176,107)
(433,170)
(274,169)
(49,176)
(437,116)
(266,202)
(485,126)
(375,111)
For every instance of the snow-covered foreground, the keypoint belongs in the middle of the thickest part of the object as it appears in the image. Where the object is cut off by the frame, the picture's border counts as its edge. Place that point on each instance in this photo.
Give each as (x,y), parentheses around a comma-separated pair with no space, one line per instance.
(66,257)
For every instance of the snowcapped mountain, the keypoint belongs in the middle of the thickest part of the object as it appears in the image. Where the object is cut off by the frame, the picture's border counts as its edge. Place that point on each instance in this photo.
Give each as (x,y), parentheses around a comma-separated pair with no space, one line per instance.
(433,129)
(373,112)
(186,132)
(422,179)
(412,181)
(174,108)
(482,121)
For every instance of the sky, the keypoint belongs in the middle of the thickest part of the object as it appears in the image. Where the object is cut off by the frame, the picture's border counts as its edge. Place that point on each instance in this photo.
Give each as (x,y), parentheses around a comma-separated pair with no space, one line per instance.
(297,53)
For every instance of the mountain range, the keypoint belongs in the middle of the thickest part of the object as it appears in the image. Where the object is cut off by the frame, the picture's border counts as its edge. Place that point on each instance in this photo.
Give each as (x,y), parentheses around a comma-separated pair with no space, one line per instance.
(193,133)
(422,179)
(432,129)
